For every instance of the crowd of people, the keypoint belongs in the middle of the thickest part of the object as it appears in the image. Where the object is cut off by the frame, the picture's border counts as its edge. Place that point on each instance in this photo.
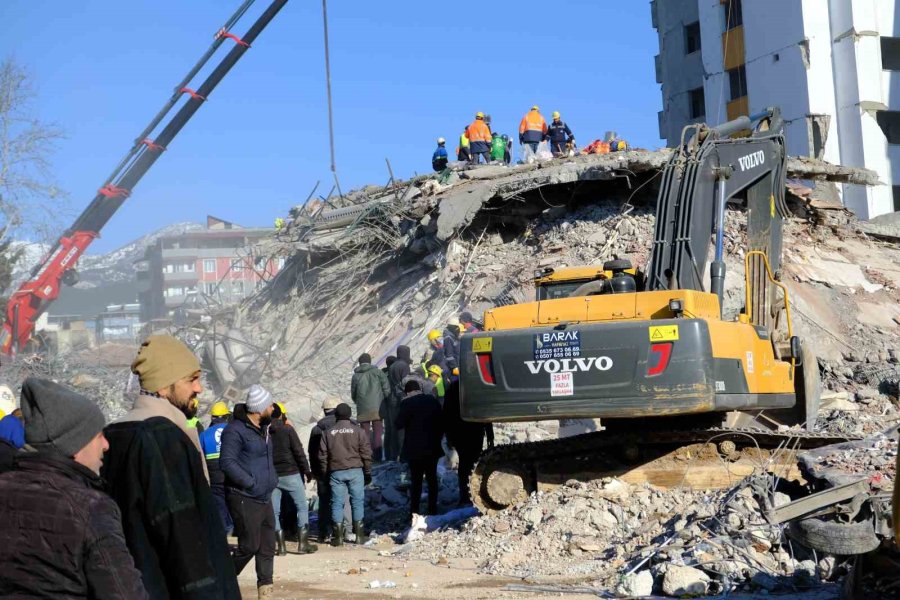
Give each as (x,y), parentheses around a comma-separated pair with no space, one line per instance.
(479,143)
(143,507)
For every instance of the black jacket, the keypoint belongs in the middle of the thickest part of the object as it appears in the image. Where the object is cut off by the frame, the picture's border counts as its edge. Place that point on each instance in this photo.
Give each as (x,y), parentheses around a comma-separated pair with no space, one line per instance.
(247,458)
(451,348)
(171,522)
(559,134)
(467,437)
(420,417)
(8,453)
(61,535)
(287,450)
(397,372)
(319,469)
(345,445)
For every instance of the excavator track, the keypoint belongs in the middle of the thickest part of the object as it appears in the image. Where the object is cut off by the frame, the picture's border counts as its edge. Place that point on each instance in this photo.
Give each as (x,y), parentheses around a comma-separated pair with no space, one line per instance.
(506,475)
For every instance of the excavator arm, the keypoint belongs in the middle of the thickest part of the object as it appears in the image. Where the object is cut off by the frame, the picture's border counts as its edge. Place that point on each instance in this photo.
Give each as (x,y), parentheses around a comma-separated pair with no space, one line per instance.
(34,296)
(698,181)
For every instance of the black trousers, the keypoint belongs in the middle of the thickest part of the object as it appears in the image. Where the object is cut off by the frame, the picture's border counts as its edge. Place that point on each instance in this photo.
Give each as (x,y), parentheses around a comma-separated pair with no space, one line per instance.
(427,468)
(467,459)
(323,489)
(254,526)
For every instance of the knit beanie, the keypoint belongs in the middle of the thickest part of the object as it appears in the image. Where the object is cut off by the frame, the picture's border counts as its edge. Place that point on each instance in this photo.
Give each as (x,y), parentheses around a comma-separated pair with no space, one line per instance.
(365,359)
(163,360)
(343,412)
(258,399)
(56,417)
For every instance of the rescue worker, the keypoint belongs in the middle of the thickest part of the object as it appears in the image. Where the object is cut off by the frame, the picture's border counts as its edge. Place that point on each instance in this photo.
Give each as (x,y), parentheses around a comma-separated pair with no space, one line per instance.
(560,136)
(466,437)
(293,472)
(193,420)
(507,154)
(436,342)
(479,135)
(467,323)
(451,344)
(346,452)
(279,223)
(436,375)
(532,129)
(12,438)
(419,374)
(420,417)
(211,445)
(439,159)
(463,153)
(320,470)
(369,389)
(498,147)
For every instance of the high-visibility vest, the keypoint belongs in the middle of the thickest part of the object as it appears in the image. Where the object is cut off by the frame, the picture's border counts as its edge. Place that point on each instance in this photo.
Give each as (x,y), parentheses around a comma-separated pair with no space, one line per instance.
(533,121)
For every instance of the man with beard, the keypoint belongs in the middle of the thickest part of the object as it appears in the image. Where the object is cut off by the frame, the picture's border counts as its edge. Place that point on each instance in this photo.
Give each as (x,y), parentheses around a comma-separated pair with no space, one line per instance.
(157,476)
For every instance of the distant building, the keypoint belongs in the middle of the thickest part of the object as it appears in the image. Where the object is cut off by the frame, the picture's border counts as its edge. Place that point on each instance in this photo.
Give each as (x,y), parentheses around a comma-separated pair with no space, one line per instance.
(832,66)
(118,323)
(216,262)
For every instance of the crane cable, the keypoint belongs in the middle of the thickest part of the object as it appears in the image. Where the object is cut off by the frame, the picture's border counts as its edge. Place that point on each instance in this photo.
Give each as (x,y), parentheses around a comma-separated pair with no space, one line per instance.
(328,90)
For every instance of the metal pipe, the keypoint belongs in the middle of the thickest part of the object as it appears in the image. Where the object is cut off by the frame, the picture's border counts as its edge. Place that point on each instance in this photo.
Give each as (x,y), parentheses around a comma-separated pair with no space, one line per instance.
(741,123)
(717,267)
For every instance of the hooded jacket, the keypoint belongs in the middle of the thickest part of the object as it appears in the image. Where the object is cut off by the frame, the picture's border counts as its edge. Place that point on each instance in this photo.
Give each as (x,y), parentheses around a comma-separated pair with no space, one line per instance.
(420,416)
(398,371)
(451,349)
(172,526)
(345,445)
(61,534)
(287,450)
(369,387)
(247,458)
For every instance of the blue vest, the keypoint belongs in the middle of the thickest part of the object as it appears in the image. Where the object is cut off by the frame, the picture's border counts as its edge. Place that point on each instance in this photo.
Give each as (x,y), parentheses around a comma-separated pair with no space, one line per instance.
(211,440)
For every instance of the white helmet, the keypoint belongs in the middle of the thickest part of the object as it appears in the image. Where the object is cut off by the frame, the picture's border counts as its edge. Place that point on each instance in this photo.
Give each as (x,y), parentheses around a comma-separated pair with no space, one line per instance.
(441,140)
(7,400)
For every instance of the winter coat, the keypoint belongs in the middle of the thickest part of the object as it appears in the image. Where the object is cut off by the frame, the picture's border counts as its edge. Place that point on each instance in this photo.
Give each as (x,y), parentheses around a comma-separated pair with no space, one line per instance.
(425,385)
(211,446)
(287,449)
(451,350)
(369,387)
(439,358)
(345,445)
(247,458)
(319,469)
(61,534)
(559,134)
(397,372)
(420,417)
(466,436)
(172,527)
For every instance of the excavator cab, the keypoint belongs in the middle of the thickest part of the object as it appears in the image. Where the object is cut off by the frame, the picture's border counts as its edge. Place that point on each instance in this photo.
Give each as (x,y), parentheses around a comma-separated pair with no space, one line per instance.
(553,284)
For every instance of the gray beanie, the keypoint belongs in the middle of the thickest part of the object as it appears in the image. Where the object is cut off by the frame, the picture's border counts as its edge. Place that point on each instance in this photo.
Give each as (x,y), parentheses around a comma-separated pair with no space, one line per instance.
(258,398)
(56,417)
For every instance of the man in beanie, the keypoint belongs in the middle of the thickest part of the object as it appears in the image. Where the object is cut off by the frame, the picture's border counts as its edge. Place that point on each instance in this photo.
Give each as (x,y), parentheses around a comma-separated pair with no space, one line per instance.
(420,417)
(399,369)
(157,476)
(320,469)
(247,459)
(346,452)
(60,534)
(369,388)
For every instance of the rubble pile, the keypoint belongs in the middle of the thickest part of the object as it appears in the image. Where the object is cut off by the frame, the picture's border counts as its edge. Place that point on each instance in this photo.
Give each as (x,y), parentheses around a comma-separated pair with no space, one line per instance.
(638,539)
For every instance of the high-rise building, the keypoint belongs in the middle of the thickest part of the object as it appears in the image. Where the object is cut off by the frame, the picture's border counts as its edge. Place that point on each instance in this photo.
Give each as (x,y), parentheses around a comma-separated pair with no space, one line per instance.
(832,66)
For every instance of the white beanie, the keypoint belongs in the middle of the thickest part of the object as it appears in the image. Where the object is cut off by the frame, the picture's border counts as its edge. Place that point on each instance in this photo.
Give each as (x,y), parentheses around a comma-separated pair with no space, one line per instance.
(258,398)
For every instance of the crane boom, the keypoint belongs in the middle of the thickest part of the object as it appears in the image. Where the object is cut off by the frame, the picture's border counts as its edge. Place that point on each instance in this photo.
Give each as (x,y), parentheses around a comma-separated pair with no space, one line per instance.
(34,296)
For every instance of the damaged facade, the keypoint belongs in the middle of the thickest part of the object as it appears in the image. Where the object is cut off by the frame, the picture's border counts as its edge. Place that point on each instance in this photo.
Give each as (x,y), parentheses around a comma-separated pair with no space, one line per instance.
(831,65)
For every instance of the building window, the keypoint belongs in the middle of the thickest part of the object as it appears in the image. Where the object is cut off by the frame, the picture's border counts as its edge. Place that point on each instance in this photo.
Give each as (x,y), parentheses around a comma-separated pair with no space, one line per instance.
(237,264)
(889,121)
(890,53)
(211,288)
(698,103)
(692,38)
(209,265)
(734,14)
(737,81)
(237,288)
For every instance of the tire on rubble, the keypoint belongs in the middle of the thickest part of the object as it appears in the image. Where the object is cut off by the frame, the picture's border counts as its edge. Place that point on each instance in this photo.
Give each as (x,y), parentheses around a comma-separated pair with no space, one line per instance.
(843,539)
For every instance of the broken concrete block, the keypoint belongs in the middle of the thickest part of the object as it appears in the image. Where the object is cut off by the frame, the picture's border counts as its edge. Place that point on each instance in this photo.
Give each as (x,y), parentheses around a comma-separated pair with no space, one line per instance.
(636,585)
(684,581)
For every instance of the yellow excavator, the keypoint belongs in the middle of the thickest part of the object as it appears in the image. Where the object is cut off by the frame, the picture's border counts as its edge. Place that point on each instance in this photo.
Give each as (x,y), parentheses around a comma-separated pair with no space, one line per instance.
(648,352)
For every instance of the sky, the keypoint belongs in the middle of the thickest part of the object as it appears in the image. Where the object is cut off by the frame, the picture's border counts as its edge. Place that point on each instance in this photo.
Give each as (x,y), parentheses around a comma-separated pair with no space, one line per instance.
(403,73)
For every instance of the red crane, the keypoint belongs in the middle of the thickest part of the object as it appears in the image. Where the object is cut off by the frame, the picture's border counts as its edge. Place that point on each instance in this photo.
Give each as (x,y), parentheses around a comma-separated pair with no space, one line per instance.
(33,297)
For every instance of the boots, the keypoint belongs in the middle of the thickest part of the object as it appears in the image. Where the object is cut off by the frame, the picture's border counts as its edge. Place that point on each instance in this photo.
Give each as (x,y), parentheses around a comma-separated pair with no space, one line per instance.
(304,547)
(324,533)
(280,549)
(360,533)
(337,538)
(265,592)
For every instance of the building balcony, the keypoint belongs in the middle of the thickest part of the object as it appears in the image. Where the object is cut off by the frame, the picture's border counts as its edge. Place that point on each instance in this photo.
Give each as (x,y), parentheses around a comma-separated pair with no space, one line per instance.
(191,276)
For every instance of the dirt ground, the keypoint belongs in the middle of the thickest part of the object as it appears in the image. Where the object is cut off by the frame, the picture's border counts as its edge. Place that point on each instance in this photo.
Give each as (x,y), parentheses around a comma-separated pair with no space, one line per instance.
(345,573)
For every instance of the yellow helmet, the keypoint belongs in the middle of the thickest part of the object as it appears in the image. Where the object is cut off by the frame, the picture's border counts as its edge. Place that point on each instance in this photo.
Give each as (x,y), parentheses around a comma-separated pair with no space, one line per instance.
(555,114)
(435,370)
(283,409)
(535,107)
(219,409)
(434,334)
(479,115)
